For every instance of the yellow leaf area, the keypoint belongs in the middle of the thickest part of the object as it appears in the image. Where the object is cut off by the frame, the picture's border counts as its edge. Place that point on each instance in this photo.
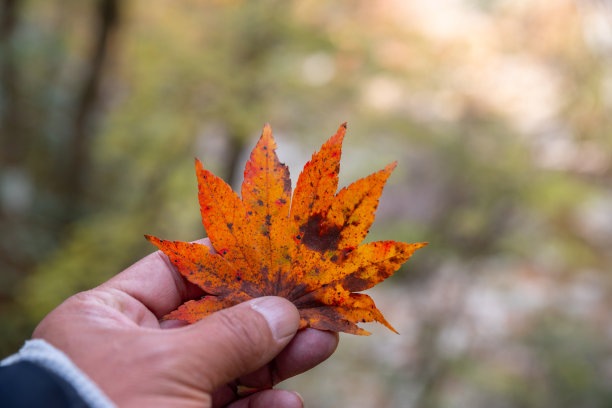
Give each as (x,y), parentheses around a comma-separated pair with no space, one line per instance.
(307,249)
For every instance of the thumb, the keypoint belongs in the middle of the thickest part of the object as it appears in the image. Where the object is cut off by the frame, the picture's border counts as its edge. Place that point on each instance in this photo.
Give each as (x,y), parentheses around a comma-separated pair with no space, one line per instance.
(238,340)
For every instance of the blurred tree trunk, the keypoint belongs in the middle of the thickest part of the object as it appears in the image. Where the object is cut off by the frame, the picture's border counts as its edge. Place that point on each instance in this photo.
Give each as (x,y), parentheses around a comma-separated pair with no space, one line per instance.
(107,16)
(13,137)
(13,141)
(237,144)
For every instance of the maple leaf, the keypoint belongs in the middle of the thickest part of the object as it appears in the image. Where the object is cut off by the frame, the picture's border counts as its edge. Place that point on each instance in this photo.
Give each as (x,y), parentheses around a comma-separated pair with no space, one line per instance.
(307,249)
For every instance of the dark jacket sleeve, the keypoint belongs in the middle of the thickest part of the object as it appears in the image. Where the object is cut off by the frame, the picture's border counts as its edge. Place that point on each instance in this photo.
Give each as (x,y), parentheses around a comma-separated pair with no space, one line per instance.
(26,384)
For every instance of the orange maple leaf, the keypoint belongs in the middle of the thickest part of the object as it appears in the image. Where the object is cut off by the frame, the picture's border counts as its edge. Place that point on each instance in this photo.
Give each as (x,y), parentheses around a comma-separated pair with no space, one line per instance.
(308,250)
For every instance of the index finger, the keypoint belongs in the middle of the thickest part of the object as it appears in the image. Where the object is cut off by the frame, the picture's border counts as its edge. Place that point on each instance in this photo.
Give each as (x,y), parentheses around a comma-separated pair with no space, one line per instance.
(155,283)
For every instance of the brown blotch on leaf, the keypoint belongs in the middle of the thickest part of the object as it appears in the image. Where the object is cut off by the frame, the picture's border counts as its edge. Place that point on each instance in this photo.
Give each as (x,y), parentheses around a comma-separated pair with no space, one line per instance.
(287,185)
(317,237)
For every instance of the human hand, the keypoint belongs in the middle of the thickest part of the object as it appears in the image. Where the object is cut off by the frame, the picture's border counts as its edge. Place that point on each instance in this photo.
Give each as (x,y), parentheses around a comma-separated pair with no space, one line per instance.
(114,335)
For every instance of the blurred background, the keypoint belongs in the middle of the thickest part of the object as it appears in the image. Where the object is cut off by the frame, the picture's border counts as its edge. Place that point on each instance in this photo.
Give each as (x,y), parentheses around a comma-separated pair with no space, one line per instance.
(498,112)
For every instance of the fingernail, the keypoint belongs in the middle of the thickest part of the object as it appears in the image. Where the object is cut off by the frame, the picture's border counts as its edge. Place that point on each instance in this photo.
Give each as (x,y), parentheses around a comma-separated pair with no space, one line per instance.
(299,396)
(281,316)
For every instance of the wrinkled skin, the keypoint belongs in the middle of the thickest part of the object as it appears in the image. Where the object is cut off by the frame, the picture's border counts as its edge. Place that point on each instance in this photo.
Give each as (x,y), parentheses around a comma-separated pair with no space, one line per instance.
(114,334)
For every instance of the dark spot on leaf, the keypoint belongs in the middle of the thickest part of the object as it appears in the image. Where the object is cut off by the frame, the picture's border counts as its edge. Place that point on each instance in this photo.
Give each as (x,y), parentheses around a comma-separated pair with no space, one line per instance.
(334,258)
(259,202)
(268,220)
(230,225)
(287,183)
(354,283)
(298,237)
(319,237)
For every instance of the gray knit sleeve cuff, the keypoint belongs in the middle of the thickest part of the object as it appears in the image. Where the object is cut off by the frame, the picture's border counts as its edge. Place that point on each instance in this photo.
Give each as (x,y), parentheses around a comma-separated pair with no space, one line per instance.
(40,352)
